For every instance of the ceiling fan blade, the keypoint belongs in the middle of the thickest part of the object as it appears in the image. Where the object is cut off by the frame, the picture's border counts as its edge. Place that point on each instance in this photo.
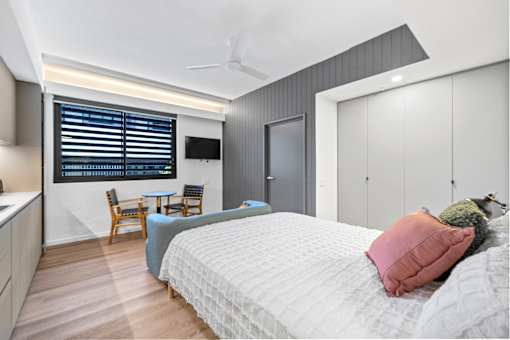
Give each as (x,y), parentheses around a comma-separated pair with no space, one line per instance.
(237,44)
(253,72)
(203,67)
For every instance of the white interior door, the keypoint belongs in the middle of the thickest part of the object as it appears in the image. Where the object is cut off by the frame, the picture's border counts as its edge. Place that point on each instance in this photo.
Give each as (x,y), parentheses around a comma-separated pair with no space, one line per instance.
(352,161)
(385,158)
(428,145)
(480,132)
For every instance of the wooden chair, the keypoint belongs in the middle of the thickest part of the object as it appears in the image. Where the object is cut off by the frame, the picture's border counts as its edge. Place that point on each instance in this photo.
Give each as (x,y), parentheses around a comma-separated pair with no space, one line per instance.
(126,210)
(191,201)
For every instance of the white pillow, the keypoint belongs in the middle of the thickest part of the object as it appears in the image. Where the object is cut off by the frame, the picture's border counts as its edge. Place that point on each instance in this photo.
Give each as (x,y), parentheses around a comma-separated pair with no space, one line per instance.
(473,302)
(497,234)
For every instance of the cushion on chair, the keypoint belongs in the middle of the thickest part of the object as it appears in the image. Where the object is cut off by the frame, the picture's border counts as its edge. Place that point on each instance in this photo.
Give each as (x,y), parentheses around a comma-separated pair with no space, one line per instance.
(133,211)
(175,206)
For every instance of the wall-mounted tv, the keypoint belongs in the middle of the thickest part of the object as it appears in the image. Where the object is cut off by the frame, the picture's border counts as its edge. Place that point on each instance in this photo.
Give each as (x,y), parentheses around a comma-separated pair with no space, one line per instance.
(203,148)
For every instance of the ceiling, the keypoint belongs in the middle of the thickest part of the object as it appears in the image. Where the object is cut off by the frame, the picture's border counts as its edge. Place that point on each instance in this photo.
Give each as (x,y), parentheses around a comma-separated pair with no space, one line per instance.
(457,34)
(13,49)
(156,39)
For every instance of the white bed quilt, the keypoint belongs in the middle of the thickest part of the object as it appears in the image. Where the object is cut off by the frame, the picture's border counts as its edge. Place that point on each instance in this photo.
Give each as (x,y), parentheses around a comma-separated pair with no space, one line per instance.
(287,275)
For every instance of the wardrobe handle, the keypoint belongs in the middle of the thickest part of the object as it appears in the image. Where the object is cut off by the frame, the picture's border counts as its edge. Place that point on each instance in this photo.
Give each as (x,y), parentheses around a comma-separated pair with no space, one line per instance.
(366,179)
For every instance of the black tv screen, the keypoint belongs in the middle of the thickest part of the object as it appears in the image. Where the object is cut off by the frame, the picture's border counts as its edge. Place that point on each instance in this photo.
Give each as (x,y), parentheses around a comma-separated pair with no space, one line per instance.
(202,148)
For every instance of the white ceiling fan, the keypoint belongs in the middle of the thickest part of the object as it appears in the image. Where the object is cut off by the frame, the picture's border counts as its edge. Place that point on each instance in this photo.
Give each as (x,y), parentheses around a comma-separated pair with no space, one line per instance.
(235,60)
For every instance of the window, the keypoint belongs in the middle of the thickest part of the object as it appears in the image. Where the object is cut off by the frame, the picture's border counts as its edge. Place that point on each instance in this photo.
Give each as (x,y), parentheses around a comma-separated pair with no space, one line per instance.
(102,142)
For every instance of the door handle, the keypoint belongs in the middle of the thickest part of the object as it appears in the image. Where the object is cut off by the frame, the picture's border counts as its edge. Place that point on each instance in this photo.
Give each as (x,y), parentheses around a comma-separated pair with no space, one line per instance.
(270,178)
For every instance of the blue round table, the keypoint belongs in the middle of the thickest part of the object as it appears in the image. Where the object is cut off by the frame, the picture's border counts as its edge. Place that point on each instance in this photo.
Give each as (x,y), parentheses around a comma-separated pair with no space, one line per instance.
(158,195)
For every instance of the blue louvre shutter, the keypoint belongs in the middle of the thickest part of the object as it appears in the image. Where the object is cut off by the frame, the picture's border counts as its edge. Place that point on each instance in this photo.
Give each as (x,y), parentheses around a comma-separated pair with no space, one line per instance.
(91,142)
(149,145)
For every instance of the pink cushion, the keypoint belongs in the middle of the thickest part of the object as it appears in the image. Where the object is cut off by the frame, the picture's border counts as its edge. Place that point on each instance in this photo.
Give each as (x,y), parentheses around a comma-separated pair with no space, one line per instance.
(416,250)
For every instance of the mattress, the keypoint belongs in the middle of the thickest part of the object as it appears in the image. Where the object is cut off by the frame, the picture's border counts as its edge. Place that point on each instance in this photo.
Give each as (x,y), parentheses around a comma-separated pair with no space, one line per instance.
(287,275)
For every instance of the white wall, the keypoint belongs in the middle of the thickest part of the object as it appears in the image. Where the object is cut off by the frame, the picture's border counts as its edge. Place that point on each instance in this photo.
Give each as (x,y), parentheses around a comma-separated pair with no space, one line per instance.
(77,211)
(326,190)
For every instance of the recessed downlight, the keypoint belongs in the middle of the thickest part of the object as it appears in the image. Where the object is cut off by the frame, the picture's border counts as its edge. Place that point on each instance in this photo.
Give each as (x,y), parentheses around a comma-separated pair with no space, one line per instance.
(396,78)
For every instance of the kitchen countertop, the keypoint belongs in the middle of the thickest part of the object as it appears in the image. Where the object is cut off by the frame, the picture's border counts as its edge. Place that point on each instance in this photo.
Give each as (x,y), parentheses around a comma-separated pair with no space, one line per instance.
(17,201)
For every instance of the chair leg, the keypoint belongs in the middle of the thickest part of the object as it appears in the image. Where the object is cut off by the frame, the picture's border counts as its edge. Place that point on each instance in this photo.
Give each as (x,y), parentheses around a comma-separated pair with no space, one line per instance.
(143,223)
(112,231)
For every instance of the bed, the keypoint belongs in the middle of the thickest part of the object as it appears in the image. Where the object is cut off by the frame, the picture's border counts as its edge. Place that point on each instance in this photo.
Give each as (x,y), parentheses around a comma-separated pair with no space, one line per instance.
(286,275)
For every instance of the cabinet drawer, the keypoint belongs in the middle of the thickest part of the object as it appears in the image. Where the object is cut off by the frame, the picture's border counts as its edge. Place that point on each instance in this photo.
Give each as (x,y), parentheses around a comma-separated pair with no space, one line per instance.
(26,250)
(21,271)
(6,324)
(5,254)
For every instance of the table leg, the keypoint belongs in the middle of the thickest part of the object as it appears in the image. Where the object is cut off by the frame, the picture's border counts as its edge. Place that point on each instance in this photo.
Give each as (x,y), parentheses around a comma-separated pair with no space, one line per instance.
(158,205)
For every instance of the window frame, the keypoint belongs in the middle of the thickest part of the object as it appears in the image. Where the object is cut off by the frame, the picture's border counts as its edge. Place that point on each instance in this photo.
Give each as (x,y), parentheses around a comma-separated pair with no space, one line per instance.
(57,141)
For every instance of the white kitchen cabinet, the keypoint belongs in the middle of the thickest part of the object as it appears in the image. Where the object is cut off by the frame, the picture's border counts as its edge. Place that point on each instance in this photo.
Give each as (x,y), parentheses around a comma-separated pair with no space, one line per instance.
(26,251)
(6,324)
(20,250)
(5,254)
(7,106)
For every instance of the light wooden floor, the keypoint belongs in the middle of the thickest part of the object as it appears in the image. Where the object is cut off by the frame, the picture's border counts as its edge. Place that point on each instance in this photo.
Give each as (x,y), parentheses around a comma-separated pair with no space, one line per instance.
(94,291)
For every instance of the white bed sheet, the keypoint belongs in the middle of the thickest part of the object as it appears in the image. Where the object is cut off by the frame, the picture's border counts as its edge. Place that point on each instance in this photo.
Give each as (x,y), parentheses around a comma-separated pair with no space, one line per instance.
(287,275)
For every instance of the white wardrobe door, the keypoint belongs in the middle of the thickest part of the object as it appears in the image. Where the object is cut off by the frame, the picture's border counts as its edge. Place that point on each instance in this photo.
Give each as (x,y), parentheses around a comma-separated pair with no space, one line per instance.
(427,145)
(480,132)
(352,161)
(385,159)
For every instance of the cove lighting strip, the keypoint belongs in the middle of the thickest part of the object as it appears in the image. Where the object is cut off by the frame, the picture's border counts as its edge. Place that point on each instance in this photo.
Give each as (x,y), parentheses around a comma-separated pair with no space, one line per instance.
(93,81)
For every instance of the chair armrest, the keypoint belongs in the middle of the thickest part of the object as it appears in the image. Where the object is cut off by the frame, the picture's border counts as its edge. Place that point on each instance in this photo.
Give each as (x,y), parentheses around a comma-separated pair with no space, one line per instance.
(131,200)
(168,198)
(140,207)
(187,199)
(117,209)
(137,203)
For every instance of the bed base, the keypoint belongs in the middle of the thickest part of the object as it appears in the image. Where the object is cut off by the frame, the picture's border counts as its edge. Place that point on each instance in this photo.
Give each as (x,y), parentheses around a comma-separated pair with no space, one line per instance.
(172,293)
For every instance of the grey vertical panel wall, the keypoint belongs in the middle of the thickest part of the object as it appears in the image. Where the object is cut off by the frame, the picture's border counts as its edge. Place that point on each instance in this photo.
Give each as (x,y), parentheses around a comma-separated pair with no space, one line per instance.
(243,130)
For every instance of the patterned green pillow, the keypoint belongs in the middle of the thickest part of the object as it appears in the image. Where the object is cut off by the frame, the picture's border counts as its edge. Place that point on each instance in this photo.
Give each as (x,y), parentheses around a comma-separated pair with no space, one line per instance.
(465,214)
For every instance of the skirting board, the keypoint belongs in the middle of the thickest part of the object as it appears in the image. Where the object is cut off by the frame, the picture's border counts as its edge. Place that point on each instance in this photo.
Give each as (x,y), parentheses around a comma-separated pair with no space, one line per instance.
(85,237)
